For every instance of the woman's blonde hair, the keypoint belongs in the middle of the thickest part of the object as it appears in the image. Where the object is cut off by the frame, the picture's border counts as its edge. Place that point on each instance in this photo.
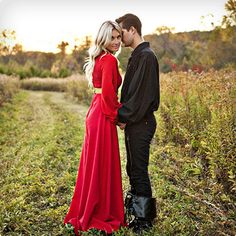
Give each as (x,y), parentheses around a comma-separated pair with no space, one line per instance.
(102,40)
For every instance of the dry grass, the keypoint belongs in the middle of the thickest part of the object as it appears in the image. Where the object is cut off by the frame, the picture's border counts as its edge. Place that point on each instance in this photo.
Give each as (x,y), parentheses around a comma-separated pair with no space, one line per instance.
(8,87)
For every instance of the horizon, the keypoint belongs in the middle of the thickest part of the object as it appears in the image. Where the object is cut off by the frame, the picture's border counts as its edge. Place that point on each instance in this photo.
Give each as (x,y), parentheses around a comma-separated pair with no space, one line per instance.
(41,25)
(58,51)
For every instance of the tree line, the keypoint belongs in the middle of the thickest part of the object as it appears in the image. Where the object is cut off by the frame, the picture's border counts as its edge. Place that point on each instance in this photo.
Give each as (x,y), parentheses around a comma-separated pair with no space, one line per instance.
(196,51)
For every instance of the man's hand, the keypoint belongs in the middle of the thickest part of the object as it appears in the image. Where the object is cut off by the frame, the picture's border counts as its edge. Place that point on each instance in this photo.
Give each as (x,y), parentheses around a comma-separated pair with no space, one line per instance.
(121,125)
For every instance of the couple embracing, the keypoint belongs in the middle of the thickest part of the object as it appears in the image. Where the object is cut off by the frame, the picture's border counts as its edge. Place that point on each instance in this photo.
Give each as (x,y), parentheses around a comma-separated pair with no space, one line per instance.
(97,201)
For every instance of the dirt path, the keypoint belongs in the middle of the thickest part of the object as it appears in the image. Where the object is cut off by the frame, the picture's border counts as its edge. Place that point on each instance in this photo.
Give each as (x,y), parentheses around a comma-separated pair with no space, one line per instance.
(71,106)
(59,99)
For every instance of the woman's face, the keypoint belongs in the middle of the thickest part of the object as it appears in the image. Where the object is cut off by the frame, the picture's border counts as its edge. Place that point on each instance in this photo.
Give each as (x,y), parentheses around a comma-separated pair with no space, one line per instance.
(115,41)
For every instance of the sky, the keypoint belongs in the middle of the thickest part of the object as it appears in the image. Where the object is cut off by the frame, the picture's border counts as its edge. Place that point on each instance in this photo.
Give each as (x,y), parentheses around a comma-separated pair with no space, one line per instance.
(41,25)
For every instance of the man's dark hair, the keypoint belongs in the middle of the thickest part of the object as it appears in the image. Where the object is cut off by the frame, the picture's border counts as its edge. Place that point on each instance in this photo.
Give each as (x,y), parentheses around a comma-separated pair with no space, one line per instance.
(129,20)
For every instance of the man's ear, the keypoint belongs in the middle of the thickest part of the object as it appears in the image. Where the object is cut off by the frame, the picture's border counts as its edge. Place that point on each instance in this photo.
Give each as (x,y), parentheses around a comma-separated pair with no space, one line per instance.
(133,30)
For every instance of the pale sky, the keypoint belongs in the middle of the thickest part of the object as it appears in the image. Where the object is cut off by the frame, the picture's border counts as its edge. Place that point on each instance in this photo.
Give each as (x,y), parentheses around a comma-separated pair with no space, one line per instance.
(43,24)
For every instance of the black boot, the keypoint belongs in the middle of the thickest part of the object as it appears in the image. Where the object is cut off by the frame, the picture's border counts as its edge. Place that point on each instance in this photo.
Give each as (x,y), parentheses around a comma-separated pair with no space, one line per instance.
(143,210)
(129,211)
(139,225)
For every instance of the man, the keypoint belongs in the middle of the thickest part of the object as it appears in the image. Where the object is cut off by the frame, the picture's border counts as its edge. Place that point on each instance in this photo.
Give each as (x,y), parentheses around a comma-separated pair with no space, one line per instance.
(140,97)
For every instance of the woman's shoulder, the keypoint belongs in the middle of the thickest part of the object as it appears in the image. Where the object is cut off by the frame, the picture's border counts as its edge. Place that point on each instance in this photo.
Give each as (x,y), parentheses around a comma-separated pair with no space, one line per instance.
(108,57)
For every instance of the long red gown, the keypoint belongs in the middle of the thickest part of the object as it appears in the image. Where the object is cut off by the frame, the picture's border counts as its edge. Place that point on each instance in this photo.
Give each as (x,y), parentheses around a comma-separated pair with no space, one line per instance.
(98,201)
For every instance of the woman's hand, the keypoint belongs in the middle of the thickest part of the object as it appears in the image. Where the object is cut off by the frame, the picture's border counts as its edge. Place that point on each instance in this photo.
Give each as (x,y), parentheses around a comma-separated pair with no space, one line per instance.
(121,125)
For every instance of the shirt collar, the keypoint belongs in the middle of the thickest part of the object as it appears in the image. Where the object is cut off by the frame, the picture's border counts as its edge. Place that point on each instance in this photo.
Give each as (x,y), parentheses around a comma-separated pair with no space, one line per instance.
(139,48)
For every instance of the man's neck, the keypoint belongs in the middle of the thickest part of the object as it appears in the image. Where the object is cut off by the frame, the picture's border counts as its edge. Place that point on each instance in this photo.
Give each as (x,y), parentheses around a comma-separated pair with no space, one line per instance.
(138,40)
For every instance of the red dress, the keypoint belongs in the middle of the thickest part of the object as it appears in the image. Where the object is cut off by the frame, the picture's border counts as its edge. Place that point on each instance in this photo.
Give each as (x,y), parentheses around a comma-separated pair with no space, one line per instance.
(98,201)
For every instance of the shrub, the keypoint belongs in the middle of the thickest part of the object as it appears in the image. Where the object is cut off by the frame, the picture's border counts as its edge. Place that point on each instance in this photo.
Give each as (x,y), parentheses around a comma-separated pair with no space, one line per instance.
(8,87)
(197,114)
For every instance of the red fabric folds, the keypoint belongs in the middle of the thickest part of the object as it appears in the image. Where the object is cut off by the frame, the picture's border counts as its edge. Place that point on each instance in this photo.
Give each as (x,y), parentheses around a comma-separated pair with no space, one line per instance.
(98,201)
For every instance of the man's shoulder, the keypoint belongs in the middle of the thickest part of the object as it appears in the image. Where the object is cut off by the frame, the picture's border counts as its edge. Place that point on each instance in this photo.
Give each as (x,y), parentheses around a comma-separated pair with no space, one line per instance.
(148,53)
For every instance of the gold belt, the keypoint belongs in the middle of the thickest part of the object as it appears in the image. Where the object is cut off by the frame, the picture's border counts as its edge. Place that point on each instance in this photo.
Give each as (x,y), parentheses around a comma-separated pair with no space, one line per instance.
(97,90)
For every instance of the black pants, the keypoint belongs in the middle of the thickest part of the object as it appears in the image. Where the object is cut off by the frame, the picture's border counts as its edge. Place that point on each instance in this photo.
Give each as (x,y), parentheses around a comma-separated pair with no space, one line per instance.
(138,137)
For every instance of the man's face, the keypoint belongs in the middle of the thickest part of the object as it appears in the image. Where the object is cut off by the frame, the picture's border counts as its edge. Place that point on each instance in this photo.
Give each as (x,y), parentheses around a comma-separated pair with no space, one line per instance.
(127,37)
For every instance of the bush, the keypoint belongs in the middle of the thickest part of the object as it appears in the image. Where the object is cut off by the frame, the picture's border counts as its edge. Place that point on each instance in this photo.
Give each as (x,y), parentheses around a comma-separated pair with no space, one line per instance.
(195,155)
(8,87)
(75,86)
(45,84)
(197,111)
(78,89)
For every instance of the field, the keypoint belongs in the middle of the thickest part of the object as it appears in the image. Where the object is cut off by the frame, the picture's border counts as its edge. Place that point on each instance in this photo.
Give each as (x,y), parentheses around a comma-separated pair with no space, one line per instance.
(192,162)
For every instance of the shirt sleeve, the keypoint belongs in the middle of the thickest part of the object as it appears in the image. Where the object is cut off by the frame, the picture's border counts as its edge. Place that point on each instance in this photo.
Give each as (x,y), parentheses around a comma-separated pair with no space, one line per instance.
(143,92)
(110,104)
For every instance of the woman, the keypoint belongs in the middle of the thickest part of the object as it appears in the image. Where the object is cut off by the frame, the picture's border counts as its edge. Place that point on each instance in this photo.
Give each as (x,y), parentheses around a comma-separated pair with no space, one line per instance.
(98,201)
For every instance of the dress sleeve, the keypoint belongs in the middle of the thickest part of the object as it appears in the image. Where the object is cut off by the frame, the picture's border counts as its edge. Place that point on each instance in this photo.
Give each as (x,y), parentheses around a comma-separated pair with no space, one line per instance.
(110,104)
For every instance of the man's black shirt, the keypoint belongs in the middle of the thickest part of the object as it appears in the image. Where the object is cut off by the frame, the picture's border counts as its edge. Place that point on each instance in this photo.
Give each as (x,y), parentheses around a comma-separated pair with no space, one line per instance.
(140,94)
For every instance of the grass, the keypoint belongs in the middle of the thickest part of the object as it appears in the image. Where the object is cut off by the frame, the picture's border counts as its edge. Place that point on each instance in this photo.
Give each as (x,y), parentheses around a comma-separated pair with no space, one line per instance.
(39,148)
(192,161)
